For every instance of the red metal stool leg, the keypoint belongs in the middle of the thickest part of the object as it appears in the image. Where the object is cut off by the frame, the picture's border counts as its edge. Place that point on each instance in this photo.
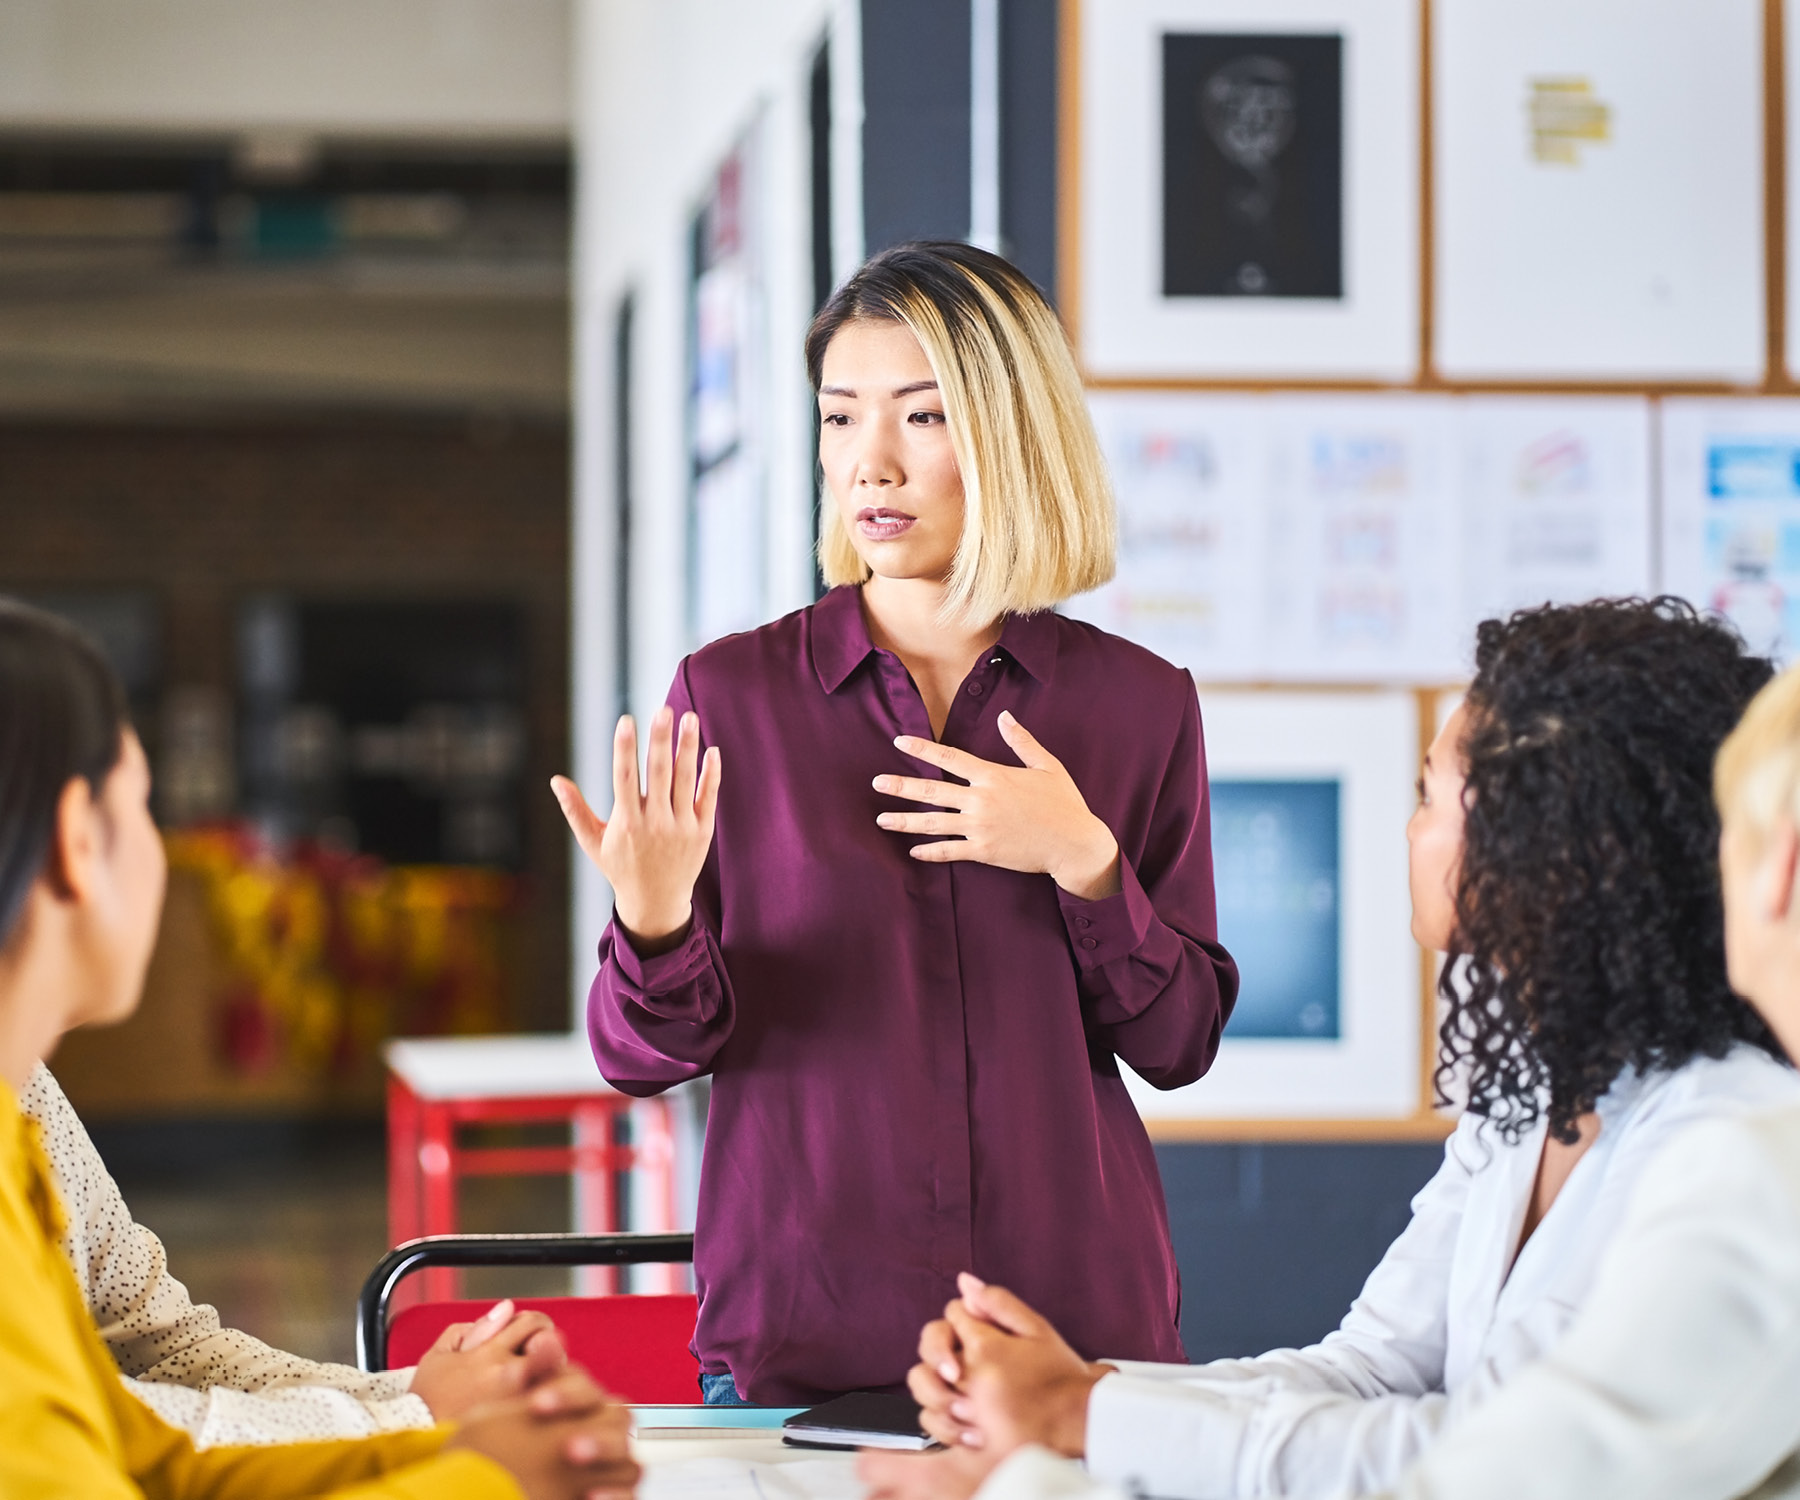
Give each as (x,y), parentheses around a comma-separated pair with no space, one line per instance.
(653,1163)
(591,1129)
(437,1173)
(403,1162)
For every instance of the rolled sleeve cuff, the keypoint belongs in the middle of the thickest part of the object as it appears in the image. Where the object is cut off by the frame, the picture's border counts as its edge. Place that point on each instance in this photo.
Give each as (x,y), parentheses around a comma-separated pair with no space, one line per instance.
(1153,1437)
(662,972)
(1114,927)
(1033,1473)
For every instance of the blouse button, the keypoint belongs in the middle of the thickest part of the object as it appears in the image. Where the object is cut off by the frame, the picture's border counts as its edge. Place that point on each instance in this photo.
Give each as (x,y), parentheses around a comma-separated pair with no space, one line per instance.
(1083,922)
(975,689)
(1090,942)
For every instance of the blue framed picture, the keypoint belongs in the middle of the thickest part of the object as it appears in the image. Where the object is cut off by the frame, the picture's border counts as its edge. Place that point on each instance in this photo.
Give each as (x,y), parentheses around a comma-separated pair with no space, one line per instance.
(1278,874)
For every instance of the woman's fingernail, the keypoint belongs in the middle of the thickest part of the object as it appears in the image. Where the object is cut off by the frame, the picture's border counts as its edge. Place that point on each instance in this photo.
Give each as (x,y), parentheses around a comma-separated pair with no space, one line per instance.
(949,1371)
(500,1311)
(583,1450)
(884,820)
(880,783)
(971,1438)
(962,1411)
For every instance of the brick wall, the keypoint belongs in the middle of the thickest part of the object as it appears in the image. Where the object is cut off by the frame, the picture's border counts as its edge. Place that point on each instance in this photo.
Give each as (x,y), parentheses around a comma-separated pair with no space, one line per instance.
(205,513)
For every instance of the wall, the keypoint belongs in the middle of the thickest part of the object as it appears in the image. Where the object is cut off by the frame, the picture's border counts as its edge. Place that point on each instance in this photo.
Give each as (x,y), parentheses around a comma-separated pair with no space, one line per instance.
(489,68)
(667,89)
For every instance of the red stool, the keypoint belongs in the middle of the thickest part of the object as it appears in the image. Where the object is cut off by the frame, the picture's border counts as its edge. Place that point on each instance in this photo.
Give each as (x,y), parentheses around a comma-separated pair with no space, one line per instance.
(436,1085)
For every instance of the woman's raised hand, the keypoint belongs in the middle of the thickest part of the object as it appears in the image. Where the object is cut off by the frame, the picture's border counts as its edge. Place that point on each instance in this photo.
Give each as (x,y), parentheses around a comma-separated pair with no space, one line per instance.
(1030,817)
(652,847)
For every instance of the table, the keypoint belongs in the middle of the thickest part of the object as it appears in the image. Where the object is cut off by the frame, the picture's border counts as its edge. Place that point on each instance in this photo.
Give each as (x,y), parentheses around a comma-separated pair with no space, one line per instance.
(437,1085)
(740,1464)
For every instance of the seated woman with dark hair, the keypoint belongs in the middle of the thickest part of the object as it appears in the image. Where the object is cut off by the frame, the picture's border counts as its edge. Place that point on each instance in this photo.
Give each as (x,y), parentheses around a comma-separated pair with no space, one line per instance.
(81,882)
(1564,855)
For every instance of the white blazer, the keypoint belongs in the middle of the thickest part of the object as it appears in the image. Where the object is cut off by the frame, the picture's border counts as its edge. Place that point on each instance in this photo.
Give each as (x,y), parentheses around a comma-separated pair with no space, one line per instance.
(1442,1323)
(1678,1380)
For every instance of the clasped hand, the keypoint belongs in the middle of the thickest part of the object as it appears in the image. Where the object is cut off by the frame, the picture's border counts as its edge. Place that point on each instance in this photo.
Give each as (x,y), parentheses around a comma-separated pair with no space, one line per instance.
(993,1375)
(1030,817)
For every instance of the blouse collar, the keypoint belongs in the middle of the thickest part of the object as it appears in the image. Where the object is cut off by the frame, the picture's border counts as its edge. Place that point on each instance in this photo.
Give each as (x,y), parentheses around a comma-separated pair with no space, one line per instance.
(841,644)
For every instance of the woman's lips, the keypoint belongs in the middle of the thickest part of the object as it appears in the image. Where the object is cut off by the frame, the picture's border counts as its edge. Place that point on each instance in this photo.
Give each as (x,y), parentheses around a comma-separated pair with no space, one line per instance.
(880,525)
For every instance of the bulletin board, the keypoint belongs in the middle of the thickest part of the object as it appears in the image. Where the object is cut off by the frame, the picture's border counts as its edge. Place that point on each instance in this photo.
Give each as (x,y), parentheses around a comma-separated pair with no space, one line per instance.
(1261,443)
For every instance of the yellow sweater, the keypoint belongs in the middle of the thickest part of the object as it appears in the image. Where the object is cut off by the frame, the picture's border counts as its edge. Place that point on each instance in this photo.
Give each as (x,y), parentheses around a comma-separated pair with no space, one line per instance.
(68,1426)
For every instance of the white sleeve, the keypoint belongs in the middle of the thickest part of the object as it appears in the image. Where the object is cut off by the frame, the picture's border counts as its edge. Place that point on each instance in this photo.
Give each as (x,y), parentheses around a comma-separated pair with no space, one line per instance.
(152,1327)
(1348,1413)
(1677,1379)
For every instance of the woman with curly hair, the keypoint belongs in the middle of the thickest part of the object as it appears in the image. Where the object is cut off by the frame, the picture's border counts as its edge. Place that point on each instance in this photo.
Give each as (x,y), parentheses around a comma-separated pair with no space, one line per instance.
(1564,857)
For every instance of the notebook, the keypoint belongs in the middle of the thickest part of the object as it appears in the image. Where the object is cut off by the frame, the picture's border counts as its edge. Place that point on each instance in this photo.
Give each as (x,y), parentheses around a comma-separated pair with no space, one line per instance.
(863,1419)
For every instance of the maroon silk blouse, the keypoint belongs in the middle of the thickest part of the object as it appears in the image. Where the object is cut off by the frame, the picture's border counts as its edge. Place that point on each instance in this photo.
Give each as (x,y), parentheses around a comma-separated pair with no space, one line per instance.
(914,1065)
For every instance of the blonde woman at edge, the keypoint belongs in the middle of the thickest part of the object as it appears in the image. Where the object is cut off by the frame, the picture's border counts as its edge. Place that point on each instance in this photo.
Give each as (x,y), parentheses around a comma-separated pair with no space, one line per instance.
(913,871)
(81,883)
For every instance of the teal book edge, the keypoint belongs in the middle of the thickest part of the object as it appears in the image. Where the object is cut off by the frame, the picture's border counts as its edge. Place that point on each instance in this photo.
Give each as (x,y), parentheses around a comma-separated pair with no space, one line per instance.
(770,1417)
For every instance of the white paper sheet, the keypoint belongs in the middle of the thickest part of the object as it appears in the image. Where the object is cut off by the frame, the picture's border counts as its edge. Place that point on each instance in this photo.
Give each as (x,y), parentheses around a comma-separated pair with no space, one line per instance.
(1192,477)
(722,1478)
(1555,495)
(1365,538)
(1731,514)
(1598,189)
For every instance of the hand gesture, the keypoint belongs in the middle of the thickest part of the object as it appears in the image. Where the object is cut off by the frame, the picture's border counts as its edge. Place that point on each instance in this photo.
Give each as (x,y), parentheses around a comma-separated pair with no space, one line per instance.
(1029,817)
(652,847)
(994,1375)
(501,1354)
(567,1440)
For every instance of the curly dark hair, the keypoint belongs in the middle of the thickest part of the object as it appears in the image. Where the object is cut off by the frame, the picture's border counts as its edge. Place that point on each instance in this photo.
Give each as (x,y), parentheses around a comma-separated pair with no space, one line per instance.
(1588,920)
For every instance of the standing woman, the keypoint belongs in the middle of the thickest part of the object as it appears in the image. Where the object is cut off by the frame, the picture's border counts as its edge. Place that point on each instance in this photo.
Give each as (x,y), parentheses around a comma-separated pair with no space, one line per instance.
(960,869)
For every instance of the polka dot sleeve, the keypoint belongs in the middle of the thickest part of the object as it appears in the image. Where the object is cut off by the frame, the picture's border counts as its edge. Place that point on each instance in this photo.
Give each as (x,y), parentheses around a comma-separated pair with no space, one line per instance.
(219,1384)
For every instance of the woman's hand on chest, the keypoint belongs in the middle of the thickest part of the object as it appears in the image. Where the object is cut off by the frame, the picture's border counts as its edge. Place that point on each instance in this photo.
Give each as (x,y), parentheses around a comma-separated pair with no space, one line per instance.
(1031,817)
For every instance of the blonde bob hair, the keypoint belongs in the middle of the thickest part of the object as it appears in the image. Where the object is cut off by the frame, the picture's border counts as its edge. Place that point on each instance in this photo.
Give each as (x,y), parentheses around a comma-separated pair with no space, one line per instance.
(1038,517)
(1756,778)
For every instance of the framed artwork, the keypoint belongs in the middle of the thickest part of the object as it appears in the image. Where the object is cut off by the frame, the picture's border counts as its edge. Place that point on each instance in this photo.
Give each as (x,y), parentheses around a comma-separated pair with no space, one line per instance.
(1598,190)
(1242,177)
(1731,514)
(1310,796)
(1556,501)
(725,425)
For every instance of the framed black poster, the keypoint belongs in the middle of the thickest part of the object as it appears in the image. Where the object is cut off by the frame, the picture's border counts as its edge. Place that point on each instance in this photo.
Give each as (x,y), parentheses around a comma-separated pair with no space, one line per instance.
(1253,164)
(1242,186)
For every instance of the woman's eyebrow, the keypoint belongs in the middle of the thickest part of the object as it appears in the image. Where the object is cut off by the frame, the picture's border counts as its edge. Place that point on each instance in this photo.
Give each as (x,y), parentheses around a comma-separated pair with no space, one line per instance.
(837,390)
(915,388)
